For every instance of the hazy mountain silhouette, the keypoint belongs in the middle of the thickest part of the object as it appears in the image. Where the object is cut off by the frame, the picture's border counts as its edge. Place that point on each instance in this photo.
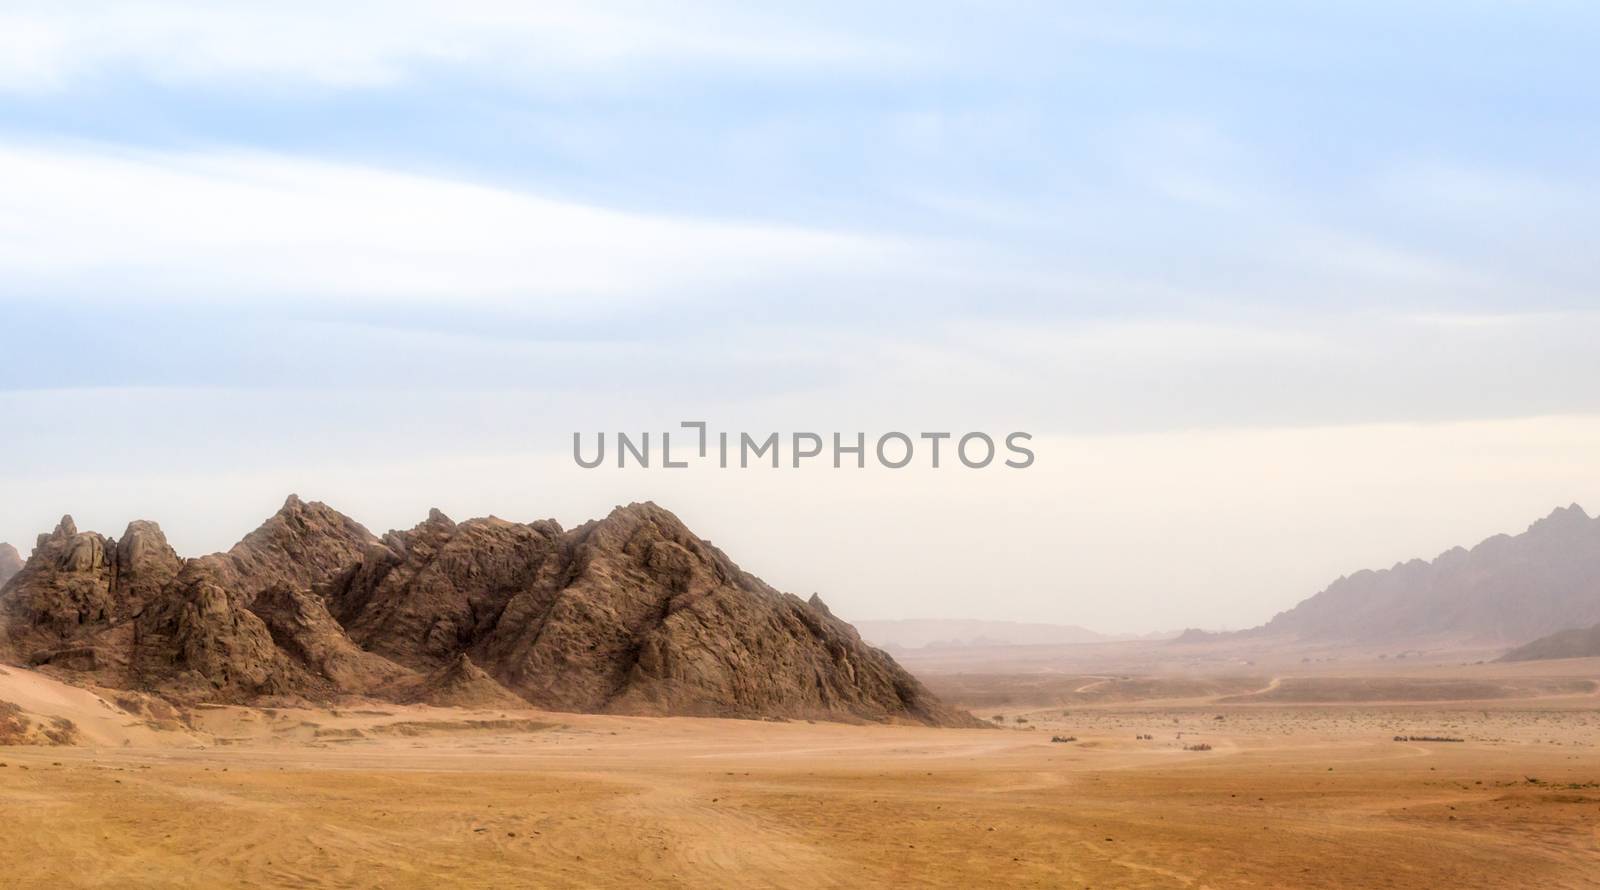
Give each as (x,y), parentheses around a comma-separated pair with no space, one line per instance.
(917,633)
(1506,590)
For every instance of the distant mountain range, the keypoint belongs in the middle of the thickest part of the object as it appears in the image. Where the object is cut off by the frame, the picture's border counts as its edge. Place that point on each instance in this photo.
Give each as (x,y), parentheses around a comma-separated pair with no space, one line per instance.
(628,614)
(1507,590)
(918,633)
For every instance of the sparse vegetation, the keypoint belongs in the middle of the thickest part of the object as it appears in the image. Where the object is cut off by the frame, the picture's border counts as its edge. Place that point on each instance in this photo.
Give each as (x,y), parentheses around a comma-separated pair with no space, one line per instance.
(16,728)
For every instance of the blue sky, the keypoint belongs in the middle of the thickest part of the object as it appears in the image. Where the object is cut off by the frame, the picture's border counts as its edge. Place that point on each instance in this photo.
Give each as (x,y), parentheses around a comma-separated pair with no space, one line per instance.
(252,245)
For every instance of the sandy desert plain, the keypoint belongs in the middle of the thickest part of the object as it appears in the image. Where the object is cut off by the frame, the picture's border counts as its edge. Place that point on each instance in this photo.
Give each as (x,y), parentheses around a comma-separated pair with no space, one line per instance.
(1303,785)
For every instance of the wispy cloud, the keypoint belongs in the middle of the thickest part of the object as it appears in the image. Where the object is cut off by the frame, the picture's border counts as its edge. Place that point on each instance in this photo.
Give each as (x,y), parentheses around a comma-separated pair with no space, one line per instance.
(242,226)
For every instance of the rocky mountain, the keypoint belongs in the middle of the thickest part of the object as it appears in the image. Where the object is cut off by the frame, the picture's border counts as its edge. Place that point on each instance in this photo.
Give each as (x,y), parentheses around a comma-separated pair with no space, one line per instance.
(1507,590)
(10,563)
(628,614)
(1578,643)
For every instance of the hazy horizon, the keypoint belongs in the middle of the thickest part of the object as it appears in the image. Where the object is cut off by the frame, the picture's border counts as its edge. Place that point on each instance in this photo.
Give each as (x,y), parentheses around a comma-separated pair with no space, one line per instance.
(194,530)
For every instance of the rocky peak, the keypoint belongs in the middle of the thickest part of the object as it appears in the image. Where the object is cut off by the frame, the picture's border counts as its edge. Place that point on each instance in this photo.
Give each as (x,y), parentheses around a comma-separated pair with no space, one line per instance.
(644,538)
(302,545)
(142,541)
(64,530)
(1563,519)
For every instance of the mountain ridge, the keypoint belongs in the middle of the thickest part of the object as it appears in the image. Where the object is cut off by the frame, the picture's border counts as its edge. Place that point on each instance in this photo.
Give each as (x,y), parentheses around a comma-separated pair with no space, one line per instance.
(1506,590)
(630,613)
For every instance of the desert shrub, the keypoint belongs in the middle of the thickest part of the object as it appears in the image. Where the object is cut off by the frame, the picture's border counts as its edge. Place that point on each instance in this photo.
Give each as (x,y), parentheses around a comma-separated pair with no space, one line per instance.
(62,731)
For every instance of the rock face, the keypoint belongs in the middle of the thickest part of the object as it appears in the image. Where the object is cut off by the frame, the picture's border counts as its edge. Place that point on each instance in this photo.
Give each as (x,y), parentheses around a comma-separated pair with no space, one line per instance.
(1579,643)
(202,639)
(629,614)
(1507,590)
(10,563)
(73,603)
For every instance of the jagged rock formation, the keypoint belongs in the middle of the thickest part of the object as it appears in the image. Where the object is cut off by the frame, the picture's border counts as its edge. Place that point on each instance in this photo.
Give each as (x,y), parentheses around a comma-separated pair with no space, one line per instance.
(1577,643)
(73,602)
(1506,590)
(301,627)
(10,563)
(202,639)
(629,614)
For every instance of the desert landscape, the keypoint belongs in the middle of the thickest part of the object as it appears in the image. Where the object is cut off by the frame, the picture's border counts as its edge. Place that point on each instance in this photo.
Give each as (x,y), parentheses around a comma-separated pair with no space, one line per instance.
(708,444)
(1163,784)
(498,703)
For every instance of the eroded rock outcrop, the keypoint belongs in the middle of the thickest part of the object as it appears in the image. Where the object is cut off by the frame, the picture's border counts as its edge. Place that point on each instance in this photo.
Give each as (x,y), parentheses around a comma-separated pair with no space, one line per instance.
(73,602)
(423,596)
(202,640)
(300,626)
(629,614)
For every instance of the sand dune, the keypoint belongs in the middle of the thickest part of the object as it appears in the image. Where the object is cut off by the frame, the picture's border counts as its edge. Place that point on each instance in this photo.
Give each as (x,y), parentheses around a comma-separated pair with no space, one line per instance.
(97,719)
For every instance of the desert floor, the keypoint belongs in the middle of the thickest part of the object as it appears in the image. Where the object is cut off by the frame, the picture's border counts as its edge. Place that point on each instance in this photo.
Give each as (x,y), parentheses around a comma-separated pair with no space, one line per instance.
(1290,794)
